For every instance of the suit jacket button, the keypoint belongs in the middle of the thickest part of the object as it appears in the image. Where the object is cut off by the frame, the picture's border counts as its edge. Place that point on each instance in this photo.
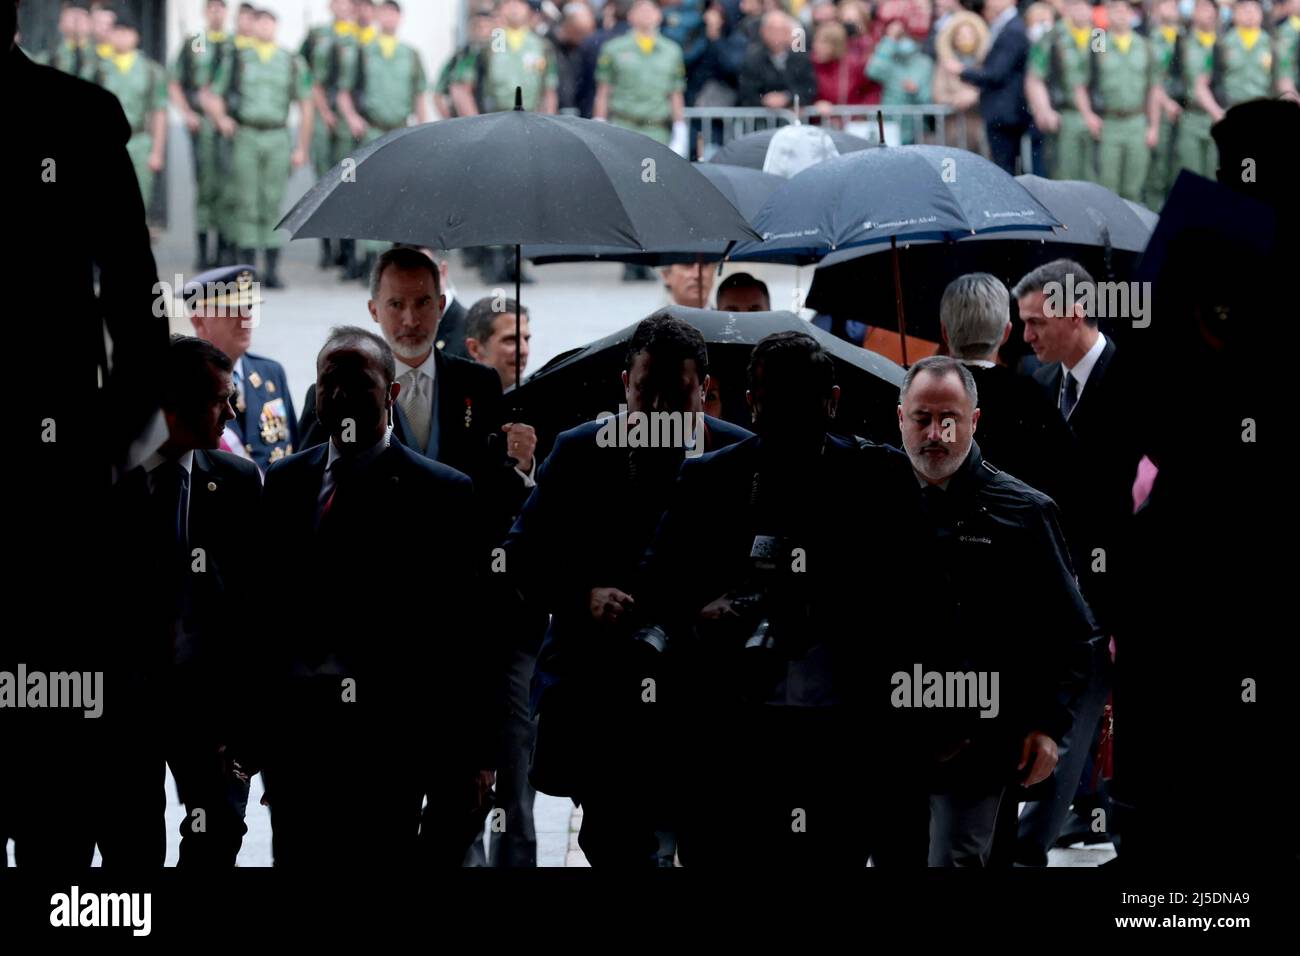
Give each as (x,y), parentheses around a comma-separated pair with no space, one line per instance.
(212,486)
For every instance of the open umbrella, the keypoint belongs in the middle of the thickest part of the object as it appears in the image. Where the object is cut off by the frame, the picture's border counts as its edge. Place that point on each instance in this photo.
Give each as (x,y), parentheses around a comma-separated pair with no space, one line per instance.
(885,195)
(746,189)
(576,386)
(751,150)
(513,177)
(1101,231)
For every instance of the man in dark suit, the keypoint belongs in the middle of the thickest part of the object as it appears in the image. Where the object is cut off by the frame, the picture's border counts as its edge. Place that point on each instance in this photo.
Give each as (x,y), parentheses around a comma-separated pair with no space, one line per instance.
(574,552)
(1020,431)
(73,213)
(221,304)
(781,672)
(1001,81)
(351,688)
(183,579)
(1085,376)
(774,73)
(451,410)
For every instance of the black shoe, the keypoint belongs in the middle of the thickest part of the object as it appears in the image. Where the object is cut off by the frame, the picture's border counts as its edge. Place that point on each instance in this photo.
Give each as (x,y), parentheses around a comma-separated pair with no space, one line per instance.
(349,262)
(365,268)
(633,272)
(201,262)
(326,255)
(272,277)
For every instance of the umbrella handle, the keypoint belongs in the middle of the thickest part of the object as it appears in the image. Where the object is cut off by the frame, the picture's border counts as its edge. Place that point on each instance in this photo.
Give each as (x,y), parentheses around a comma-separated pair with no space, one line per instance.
(898,299)
(518,308)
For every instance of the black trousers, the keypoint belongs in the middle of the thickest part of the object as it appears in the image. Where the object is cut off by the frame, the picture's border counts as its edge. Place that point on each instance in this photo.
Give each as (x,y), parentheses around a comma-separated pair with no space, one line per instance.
(1004,145)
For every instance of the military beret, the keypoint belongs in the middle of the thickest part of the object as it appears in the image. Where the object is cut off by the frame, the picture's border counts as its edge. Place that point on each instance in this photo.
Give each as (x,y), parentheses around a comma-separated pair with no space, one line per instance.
(229,287)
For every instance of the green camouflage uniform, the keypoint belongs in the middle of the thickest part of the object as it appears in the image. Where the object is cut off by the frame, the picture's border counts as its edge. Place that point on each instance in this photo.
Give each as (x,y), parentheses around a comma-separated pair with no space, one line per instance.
(530,67)
(1059,61)
(641,84)
(1120,85)
(142,91)
(1160,174)
(258,95)
(1286,52)
(193,69)
(1196,150)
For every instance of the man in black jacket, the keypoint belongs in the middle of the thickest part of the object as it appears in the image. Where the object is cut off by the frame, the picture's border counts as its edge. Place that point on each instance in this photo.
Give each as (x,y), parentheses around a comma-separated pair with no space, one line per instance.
(350,685)
(981,527)
(784,675)
(1001,82)
(774,72)
(574,552)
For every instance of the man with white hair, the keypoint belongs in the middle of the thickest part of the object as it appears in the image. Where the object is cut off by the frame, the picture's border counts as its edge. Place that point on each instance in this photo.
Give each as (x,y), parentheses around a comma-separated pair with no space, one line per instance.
(777,69)
(1020,431)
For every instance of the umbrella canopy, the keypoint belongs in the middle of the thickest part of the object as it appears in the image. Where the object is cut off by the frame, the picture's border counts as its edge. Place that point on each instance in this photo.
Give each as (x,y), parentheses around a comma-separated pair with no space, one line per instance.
(746,189)
(1100,231)
(576,386)
(514,177)
(903,193)
(751,150)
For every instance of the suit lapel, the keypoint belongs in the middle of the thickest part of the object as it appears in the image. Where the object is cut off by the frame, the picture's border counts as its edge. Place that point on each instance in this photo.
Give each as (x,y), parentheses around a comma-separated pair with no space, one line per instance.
(1091,395)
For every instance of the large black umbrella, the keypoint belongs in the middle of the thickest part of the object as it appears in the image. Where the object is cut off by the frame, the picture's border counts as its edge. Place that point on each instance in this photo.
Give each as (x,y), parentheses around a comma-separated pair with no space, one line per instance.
(513,177)
(746,189)
(576,386)
(751,150)
(1101,231)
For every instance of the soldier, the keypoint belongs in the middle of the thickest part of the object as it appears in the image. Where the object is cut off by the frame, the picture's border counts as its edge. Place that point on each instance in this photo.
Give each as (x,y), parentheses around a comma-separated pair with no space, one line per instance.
(102,18)
(73,53)
(1195,148)
(1243,63)
(515,57)
(641,80)
(380,86)
(1058,63)
(1120,106)
(244,22)
(318,38)
(463,65)
(191,73)
(140,85)
(220,304)
(251,96)
(1165,38)
(1287,53)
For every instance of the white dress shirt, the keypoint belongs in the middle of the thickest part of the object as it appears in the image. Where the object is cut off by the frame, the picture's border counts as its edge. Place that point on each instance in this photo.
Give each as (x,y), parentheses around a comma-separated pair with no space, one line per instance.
(1084,368)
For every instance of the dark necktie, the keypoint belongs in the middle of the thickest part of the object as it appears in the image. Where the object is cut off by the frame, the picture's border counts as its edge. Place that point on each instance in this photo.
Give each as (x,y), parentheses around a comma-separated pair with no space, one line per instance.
(1069,393)
(170,490)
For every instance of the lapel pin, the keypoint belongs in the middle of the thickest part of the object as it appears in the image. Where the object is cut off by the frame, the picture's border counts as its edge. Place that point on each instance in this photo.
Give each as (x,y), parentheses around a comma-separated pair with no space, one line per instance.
(212,486)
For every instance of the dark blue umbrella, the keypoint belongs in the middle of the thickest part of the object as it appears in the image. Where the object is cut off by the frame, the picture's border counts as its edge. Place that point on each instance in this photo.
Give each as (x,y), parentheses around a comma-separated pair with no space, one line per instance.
(895,193)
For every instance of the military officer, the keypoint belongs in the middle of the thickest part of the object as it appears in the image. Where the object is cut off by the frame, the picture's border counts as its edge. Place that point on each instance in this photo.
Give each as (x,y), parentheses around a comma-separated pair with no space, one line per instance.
(140,85)
(1195,148)
(1286,42)
(641,79)
(381,85)
(1060,61)
(1243,63)
(319,39)
(252,93)
(222,307)
(1165,37)
(515,57)
(73,53)
(191,73)
(1121,106)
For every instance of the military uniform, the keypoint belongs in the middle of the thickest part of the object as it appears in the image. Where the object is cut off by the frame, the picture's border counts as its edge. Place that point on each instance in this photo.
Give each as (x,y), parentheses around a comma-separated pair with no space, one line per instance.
(523,62)
(642,73)
(1164,42)
(330,58)
(1196,150)
(1286,52)
(383,78)
(140,85)
(192,70)
(265,428)
(1121,80)
(259,83)
(1243,67)
(1061,59)
(320,134)
(72,58)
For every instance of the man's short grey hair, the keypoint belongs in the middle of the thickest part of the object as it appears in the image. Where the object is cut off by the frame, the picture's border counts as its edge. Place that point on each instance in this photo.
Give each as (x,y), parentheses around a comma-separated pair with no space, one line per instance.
(941,365)
(975,311)
(1054,273)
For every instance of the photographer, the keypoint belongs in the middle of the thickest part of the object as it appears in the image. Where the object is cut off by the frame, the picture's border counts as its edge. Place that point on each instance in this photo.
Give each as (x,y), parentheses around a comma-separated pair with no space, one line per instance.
(788,679)
(573,551)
